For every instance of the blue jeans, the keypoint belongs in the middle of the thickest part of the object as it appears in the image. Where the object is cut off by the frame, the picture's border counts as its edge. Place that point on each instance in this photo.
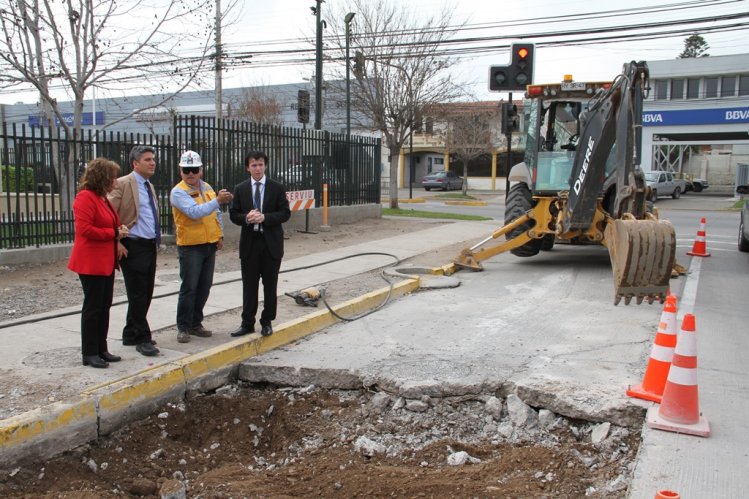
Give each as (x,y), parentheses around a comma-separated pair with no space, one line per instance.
(196,265)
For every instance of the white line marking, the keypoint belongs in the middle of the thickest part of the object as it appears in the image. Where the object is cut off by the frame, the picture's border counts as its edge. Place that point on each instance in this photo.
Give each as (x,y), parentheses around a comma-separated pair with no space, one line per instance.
(689,293)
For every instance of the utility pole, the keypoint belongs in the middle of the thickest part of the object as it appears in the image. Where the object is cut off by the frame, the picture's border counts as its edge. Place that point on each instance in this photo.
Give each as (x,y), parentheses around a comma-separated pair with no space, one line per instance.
(219,56)
(318,66)
(349,17)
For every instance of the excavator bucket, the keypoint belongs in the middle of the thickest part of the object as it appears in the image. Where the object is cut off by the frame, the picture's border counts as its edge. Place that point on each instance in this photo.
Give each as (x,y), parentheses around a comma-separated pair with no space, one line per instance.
(642,254)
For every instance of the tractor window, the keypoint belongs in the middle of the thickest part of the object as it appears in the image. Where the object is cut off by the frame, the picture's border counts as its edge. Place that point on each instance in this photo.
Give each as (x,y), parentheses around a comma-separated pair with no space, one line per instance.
(558,132)
(530,118)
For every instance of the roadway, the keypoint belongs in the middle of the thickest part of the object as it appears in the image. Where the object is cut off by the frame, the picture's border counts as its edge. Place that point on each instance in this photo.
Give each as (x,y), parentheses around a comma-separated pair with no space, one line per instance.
(546,327)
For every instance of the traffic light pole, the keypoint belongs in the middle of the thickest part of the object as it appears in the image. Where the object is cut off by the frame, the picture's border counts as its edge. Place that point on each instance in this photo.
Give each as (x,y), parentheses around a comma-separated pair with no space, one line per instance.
(508,137)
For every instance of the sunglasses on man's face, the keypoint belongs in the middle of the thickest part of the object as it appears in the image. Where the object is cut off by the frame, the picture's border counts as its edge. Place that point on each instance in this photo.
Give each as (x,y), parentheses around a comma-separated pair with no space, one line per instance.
(190,169)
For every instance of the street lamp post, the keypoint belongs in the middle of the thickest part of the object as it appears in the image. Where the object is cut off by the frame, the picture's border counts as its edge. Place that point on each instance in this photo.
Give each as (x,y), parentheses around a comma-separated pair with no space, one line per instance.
(318,64)
(349,17)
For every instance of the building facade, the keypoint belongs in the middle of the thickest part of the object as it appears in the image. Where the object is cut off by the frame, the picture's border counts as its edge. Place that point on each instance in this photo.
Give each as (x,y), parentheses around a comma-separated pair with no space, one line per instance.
(696,118)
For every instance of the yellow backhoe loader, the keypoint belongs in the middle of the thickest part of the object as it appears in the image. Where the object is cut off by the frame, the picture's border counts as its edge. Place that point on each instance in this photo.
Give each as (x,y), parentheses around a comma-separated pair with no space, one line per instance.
(581,183)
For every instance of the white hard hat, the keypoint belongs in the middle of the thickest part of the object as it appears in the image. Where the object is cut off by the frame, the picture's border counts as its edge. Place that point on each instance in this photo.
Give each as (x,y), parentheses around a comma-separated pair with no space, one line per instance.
(190,158)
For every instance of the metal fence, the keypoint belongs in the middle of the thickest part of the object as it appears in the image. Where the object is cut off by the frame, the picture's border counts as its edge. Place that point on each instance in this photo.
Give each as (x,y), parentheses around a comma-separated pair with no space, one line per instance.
(39,169)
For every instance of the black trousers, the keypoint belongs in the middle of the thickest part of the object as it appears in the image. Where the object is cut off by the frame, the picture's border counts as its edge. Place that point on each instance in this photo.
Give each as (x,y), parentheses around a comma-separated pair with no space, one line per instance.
(97,300)
(259,264)
(139,274)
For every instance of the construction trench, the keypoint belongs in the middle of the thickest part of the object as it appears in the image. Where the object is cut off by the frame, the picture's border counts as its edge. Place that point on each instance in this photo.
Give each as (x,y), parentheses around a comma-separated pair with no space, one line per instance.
(383,413)
(253,439)
(391,429)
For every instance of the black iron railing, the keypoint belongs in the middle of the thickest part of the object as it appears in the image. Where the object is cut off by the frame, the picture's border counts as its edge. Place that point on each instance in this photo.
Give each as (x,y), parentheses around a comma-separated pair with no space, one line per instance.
(39,169)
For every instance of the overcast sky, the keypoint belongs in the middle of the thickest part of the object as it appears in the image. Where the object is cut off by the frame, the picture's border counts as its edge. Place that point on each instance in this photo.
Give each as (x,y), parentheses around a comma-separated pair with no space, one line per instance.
(288,22)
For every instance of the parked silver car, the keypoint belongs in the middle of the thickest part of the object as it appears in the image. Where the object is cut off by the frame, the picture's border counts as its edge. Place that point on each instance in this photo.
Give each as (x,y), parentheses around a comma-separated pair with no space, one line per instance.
(744,223)
(444,180)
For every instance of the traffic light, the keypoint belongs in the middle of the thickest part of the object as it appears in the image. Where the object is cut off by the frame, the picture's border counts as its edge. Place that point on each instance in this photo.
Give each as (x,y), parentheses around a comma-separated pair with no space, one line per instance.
(302,106)
(510,121)
(522,64)
(359,65)
(518,74)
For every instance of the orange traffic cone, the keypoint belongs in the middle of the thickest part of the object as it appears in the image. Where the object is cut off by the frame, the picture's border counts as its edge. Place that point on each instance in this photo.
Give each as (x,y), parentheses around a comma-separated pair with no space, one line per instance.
(699,248)
(656,373)
(680,408)
(667,494)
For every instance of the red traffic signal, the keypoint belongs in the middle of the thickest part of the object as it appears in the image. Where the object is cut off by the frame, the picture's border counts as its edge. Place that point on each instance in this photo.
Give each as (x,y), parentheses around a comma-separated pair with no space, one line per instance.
(522,64)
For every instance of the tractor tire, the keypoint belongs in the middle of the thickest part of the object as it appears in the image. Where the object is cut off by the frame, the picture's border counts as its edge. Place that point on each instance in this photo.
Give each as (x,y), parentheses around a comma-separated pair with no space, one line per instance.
(519,200)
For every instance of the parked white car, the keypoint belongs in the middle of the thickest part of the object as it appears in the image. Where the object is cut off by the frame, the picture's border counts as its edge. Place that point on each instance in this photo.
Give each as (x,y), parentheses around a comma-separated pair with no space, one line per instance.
(665,184)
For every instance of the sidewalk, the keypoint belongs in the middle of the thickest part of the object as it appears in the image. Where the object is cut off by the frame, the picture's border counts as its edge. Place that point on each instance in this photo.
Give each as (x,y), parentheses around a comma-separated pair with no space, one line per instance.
(90,402)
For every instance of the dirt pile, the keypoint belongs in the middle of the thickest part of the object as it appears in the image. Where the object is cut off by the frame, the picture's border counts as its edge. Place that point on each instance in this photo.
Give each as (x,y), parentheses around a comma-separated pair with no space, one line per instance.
(249,441)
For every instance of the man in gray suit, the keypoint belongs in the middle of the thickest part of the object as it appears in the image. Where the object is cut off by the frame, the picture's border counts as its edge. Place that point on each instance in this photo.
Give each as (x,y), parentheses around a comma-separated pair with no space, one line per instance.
(134,198)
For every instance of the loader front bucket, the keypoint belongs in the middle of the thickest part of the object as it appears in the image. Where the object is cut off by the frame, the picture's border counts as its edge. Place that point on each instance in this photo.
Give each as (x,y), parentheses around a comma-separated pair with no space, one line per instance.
(642,256)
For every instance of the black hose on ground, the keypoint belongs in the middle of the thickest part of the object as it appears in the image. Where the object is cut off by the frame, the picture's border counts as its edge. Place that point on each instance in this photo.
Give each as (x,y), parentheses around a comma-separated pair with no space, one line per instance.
(163,295)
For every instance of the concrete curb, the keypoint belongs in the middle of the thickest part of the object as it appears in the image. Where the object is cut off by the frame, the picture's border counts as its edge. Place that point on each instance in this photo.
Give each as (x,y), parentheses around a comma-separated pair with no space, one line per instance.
(49,430)
(466,203)
(55,428)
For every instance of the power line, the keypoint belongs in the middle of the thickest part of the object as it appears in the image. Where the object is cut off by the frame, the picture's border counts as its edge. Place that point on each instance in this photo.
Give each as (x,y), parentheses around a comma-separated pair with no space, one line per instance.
(478,44)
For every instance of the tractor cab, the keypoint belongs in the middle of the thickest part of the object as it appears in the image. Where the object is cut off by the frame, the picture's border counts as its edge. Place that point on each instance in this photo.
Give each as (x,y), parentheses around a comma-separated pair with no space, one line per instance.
(552,124)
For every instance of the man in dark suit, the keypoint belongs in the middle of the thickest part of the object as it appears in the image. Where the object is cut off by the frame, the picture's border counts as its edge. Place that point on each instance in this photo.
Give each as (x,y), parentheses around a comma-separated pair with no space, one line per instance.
(260,206)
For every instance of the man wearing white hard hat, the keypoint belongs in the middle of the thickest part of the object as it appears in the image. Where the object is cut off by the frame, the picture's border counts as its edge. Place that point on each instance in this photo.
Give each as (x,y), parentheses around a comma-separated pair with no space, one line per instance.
(200,233)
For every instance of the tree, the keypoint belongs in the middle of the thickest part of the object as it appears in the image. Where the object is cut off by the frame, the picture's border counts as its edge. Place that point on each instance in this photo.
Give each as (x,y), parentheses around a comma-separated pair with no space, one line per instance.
(79,44)
(469,132)
(400,73)
(259,105)
(694,46)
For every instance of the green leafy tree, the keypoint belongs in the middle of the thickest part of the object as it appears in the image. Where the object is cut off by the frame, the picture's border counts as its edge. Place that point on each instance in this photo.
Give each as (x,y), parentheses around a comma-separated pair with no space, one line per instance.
(694,46)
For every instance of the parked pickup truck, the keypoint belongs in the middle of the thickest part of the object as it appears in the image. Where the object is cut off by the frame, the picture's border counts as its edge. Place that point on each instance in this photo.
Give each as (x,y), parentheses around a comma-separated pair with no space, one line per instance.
(665,184)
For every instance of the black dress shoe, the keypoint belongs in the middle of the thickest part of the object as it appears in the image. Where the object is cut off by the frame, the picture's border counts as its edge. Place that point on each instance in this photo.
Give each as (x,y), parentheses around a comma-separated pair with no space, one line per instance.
(242,331)
(110,357)
(267,330)
(94,361)
(146,348)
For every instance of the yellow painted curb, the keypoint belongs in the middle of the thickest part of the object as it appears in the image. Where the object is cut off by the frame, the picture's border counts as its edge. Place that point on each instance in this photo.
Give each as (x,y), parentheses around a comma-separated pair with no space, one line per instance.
(162,379)
(96,408)
(466,203)
(450,269)
(404,201)
(142,386)
(48,430)
(24,427)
